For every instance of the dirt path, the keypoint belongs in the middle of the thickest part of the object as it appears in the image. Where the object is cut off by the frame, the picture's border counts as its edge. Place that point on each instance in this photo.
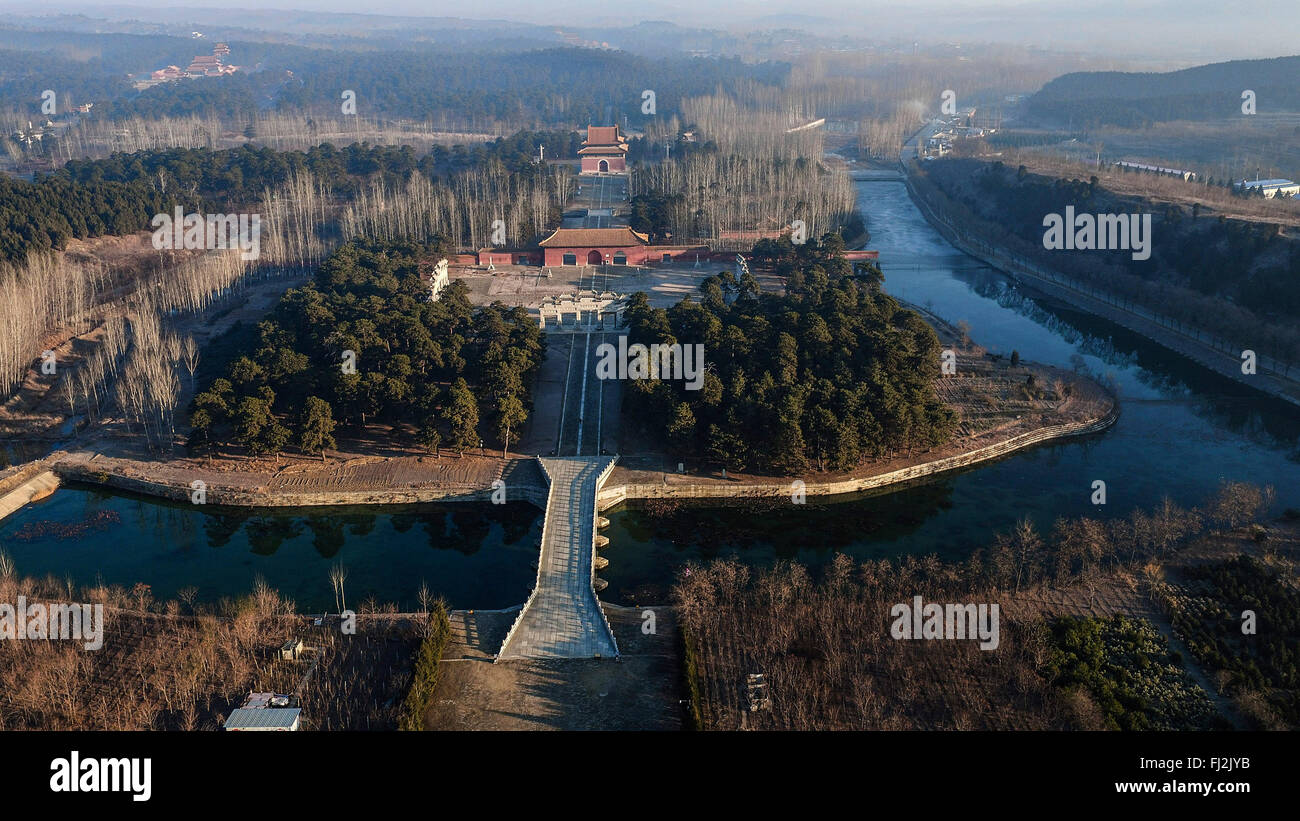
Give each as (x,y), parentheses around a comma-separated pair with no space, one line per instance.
(640,691)
(1224,705)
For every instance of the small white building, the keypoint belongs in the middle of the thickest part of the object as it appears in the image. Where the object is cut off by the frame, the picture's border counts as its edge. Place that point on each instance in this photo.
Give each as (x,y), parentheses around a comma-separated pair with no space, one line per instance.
(1186,175)
(291,649)
(1272,188)
(264,719)
(266,712)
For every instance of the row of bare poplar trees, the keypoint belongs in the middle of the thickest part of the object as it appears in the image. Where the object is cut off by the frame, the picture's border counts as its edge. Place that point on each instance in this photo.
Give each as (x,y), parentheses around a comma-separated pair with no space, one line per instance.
(52,296)
(98,137)
(722,193)
(766,173)
(137,365)
(763,131)
(135,368)
(47,292)
(464,209)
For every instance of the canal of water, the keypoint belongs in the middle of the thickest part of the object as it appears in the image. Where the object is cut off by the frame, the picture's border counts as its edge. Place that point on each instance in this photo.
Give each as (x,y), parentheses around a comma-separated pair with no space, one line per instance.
(1182,431)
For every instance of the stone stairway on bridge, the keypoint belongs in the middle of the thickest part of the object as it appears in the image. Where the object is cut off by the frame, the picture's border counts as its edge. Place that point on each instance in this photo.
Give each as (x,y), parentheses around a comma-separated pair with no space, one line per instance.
(563,618)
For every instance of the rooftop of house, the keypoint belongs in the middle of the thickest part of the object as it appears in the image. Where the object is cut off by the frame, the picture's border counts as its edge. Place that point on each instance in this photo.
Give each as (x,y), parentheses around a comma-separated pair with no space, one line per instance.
(263,718)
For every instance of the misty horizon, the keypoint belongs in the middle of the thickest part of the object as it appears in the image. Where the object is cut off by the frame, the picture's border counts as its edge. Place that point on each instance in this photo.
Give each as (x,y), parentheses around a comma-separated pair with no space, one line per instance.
(1113,28)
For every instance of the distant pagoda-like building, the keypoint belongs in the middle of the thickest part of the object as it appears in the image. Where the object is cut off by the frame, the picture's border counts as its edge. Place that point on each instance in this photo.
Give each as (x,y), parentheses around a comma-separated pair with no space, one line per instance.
(604,151)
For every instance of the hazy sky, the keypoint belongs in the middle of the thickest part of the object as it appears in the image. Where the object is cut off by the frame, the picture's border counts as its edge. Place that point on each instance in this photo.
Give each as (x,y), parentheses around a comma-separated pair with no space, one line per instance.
(1192,29)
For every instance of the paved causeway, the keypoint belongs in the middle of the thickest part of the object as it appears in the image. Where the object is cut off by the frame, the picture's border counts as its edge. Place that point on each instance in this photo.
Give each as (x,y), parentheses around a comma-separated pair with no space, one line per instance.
(562,618)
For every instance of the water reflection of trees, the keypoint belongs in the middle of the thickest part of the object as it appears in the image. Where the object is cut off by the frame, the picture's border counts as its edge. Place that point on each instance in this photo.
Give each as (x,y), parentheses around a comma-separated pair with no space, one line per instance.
(1217,399)
(998,290)
(467,528)
(791,530)
(464,528)
(220,528)
(458,529)
(520,521)
(175,524)
(360,524)
(1264,422)
(331,531)
(1083,341)
(266,533)
(327,535)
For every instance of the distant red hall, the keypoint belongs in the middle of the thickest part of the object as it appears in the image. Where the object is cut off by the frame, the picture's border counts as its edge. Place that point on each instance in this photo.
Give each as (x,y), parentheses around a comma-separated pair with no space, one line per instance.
(604,151)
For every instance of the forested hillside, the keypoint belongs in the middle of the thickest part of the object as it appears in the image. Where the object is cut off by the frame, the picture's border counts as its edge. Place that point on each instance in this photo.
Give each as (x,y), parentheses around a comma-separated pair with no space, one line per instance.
(485,89)
(1131,100)
(1234,278)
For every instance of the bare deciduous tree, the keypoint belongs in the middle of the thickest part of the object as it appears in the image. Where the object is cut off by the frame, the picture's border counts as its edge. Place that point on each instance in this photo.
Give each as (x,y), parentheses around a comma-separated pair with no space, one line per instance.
(338,575)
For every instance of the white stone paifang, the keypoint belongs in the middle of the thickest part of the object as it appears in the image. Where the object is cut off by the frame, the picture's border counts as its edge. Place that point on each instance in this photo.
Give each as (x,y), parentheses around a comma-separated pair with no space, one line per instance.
(566,313)
(439,281)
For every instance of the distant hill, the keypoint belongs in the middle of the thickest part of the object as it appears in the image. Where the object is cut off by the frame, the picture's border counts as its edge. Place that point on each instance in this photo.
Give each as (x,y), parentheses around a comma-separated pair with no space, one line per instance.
(1209,92)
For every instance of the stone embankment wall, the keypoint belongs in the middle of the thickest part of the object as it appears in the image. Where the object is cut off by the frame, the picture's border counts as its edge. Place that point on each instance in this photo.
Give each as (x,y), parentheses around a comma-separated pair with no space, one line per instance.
(614,494)
(242,497)
(535,491)
(1218,355)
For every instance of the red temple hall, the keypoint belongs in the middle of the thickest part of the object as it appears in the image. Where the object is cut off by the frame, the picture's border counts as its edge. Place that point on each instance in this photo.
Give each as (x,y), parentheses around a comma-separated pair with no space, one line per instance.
(604,151)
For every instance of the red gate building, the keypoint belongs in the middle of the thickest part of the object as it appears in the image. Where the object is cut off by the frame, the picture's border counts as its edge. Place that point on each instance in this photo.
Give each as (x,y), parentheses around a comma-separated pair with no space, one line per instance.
(604,151)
